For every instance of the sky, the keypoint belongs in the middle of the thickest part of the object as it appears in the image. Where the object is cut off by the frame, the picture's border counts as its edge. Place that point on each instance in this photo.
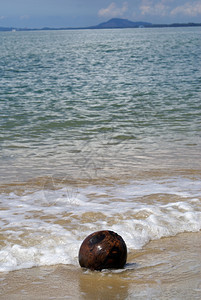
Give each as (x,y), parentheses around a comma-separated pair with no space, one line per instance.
(81,13)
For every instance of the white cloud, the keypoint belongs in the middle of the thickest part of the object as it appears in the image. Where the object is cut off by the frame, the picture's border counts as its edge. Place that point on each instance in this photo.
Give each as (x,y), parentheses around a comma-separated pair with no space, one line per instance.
(113,11)
(149,8)
(189,9)
(2,17)
(161,8)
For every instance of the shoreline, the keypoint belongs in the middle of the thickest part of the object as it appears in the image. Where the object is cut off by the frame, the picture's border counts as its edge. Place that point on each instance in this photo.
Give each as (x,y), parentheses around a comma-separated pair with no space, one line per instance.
(163,268)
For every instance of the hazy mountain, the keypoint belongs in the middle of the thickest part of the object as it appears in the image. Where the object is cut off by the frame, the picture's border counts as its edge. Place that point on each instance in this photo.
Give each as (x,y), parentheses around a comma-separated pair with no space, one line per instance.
(112,23)
(121,23)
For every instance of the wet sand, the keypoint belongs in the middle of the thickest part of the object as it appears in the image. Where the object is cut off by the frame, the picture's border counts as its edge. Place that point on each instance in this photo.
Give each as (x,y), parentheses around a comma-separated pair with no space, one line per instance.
(169,268)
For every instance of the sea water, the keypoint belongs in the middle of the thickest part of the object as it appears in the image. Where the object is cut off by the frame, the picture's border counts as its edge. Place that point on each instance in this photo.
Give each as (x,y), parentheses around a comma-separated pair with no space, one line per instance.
(99,129)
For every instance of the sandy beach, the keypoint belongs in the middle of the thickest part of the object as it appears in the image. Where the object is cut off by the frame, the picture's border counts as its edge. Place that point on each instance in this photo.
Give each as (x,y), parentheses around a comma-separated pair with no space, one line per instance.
(100,130)
(169,268)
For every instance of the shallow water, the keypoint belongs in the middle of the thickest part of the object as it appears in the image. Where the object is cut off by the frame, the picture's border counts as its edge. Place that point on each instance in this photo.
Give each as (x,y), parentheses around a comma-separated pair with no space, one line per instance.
(168,268)
(100,129)
(97,103)
(47,226)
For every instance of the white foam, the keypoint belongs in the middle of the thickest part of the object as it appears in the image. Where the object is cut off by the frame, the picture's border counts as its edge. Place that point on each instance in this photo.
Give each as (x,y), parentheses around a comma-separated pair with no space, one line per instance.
(47,227)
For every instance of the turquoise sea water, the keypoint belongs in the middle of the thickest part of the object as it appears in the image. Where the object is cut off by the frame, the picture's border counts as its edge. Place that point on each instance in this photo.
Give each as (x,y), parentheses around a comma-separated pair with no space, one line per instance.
(99,129)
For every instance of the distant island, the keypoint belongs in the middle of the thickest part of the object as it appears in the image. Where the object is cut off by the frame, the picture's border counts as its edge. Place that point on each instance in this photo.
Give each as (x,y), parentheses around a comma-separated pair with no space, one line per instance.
(120,23)
(111,24)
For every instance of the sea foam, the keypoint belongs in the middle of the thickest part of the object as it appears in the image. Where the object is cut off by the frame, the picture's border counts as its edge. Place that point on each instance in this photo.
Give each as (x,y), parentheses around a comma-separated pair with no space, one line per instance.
(46,227)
